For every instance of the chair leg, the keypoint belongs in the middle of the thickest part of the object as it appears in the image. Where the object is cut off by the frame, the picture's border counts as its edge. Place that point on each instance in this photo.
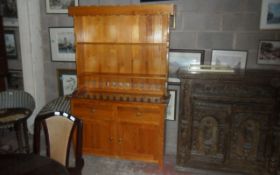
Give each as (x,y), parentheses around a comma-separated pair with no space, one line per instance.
(17,127)
(25,132)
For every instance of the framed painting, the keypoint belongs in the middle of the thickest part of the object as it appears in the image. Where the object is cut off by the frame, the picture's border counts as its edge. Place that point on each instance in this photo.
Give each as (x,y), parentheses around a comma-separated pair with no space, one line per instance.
(62,43)
(172,110)
(269,52)
(8,8)
(67,81)
(183,58)
(232,58)
(60,6)
(11,42)
(270,14)
(15,79)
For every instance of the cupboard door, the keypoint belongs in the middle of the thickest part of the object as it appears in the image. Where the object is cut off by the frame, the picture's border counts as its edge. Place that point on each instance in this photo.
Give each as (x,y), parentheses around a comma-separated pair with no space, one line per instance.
(209,130)
(140,135)
(99,137)
(248,136)
(138,141)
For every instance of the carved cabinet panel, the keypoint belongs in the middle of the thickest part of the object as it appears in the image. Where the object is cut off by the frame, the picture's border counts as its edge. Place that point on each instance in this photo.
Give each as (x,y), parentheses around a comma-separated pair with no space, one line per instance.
(226,121)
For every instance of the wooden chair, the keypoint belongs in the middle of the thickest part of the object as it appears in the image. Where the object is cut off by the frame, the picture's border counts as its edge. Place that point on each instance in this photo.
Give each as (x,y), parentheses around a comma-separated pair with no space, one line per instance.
(16,106)
(59,130)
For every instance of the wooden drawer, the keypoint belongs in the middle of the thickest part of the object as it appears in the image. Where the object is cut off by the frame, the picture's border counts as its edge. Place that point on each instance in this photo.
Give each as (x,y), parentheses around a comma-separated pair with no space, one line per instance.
(139,114)
(93,110)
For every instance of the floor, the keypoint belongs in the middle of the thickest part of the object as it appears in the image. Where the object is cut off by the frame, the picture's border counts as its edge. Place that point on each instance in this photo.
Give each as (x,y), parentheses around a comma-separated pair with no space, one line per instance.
(95,165)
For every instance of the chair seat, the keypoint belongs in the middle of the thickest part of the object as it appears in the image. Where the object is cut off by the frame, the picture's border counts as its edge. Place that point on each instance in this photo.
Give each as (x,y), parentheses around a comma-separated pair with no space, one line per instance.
(10,116)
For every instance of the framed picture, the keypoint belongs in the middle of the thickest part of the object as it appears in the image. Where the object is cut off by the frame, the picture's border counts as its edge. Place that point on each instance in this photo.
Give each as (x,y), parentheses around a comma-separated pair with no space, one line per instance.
(183,58)
(152,0)
(11,42)
(60,6)
(270,14)
(67,81)
(8,8)
(232,58)
(15,80)
(173,105)
(62,42)
(269,52)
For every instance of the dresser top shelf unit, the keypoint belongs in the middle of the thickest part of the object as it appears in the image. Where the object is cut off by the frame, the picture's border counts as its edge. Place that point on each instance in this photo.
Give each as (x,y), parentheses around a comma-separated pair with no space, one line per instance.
(122,49)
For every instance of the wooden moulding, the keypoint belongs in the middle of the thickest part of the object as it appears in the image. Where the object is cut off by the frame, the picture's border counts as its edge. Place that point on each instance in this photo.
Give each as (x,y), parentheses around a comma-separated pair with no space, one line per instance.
(151,9)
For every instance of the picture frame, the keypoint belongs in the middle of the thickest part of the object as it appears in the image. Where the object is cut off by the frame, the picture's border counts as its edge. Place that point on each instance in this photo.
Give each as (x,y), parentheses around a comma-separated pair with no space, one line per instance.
(67,81)
(152,0)
(15,79)
(62,43)
(183,58)
(60,6)
(235,59)
(270,11)
(11,37)
(8,9)
(269,52)
(173,104)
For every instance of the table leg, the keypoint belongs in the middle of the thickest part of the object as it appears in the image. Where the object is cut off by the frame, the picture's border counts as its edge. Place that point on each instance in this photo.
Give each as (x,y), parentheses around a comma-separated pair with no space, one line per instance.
(17,127)
(25,132)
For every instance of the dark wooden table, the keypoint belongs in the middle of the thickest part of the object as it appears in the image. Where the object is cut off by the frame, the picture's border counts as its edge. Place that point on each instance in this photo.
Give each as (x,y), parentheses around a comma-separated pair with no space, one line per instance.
(17,117)
(30,164)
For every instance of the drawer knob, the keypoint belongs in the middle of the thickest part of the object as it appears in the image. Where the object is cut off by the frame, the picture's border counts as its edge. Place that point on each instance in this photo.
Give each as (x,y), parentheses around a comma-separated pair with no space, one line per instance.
(93,110)
(138,114)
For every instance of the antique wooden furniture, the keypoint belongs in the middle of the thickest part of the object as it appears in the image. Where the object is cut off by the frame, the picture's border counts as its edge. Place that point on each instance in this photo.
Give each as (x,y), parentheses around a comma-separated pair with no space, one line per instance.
(3,58)
(227,119)
(122,69)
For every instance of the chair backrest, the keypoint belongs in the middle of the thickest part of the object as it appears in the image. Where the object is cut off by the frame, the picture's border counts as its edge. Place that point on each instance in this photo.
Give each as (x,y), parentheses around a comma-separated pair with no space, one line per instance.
(59,129)
(58,104)
(16,99)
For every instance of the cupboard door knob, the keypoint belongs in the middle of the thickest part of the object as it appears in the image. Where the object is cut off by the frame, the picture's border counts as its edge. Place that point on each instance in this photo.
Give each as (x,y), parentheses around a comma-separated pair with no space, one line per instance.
(120,140)
(138,114)
(93,110)
(111,139)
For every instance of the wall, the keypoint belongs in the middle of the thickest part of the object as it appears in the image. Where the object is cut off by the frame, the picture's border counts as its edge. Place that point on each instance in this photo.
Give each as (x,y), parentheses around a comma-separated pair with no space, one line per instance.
(200,24)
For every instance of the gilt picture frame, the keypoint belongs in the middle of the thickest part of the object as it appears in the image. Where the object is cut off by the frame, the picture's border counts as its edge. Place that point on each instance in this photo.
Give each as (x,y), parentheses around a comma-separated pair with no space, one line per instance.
(62,43)
(60,6)
(183,58)
(172,111)
(235,59)
(67,81)
(269,52)
(11,37)
(270,15)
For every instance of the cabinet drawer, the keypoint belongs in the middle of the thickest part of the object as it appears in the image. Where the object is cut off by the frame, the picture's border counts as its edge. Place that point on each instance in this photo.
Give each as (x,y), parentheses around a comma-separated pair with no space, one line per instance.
(92,111)
(138,114)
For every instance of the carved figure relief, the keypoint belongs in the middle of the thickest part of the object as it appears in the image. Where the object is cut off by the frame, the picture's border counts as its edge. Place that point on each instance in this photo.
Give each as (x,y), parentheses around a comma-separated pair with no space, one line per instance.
(208,136)
(247,137)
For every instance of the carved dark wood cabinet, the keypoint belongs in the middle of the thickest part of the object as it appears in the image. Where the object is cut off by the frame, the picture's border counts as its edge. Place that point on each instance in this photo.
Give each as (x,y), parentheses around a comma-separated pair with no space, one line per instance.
(227,121)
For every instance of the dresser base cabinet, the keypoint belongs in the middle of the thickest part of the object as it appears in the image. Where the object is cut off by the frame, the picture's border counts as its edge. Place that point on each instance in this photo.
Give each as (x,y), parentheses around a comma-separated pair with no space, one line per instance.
(226,121)
(132,131)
